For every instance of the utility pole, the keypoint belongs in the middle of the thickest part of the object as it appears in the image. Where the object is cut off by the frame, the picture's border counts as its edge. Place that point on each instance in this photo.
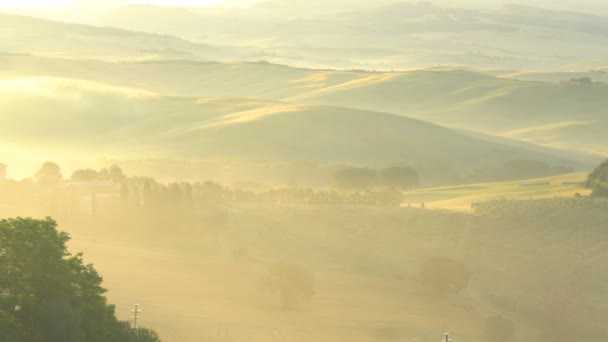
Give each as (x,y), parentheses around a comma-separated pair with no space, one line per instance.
(135,312)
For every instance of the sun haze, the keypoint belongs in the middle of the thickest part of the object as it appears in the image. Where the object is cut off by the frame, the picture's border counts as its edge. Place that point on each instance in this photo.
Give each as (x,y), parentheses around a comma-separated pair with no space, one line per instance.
(48,3)
(303,170)
(32,3)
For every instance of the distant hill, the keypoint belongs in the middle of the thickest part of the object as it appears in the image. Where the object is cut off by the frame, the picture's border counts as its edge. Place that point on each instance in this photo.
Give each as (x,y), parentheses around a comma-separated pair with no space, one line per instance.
(398,35)
(565,117)
(21,34)
(91,119)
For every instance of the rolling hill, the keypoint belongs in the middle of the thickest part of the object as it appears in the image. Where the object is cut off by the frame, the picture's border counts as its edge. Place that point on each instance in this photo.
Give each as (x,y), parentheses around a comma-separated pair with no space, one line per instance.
(545,113)
(95,119)
(402,35)
(21,34)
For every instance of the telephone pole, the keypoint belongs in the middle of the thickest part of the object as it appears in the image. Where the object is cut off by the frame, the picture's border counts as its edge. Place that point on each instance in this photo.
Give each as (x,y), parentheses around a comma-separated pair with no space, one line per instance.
(135,317)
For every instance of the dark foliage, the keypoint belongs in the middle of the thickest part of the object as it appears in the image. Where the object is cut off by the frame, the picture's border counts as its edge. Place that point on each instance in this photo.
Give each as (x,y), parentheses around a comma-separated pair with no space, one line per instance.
(48,294)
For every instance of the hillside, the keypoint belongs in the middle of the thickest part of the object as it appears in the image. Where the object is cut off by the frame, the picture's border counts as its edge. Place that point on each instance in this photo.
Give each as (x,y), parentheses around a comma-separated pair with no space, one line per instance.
(21,34)
(396,35)
(125,122)
(569,118)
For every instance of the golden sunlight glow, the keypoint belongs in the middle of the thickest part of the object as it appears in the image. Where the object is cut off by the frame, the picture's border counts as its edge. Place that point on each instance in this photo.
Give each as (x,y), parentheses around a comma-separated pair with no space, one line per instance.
(32,3)
(47,3)
(188,3)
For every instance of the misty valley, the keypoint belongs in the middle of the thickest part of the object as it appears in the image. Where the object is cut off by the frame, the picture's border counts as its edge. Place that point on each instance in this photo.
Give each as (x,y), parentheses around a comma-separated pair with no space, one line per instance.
(294,171)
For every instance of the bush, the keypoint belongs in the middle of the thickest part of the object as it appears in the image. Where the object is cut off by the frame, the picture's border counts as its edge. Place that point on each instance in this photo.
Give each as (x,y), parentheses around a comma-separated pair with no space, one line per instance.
(444,276)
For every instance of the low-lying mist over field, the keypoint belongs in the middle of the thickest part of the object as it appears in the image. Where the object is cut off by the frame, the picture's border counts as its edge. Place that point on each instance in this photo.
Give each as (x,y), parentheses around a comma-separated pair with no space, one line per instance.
(295,171)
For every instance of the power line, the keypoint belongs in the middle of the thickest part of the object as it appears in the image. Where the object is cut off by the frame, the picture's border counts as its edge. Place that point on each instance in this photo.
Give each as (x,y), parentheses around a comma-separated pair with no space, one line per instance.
(135,317)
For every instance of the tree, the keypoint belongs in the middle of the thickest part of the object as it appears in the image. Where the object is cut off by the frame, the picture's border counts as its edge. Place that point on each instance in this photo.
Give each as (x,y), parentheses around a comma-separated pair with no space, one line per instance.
(598,180)
(498,328)
(85,175)
(143,335)
(353,178)
(444,276)
(49,175)
(398,177)
(292,282)
(49,294)
(116,175)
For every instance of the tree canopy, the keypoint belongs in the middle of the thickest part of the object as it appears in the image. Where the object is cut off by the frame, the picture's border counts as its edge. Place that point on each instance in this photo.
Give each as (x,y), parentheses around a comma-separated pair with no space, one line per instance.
(598,180)
(48,294)
(49,174)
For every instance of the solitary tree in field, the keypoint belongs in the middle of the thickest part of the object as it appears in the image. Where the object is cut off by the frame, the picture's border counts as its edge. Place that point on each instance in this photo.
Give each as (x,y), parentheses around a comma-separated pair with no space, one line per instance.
(291,282)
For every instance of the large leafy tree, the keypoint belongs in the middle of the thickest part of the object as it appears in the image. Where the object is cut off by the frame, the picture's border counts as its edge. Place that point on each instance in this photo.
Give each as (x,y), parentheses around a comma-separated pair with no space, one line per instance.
(291,282)
(598,180)
(48,294)
(49,175)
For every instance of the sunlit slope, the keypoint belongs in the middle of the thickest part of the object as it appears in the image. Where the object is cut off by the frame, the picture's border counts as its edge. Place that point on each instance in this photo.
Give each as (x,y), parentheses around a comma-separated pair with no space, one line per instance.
(92,118)
(541,112)
(20,34)
(463,196)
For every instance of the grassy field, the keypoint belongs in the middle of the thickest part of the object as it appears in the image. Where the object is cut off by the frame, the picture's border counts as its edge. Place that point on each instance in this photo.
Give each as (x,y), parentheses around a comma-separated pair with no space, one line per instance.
(189,299)
(365,262)
(461,197)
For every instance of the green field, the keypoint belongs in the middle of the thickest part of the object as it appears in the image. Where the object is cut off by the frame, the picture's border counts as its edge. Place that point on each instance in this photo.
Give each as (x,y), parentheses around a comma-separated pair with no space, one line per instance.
(461,197)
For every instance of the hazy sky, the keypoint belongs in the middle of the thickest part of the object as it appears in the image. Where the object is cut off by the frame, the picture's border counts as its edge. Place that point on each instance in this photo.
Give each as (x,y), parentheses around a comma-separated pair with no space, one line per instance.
(44,3)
